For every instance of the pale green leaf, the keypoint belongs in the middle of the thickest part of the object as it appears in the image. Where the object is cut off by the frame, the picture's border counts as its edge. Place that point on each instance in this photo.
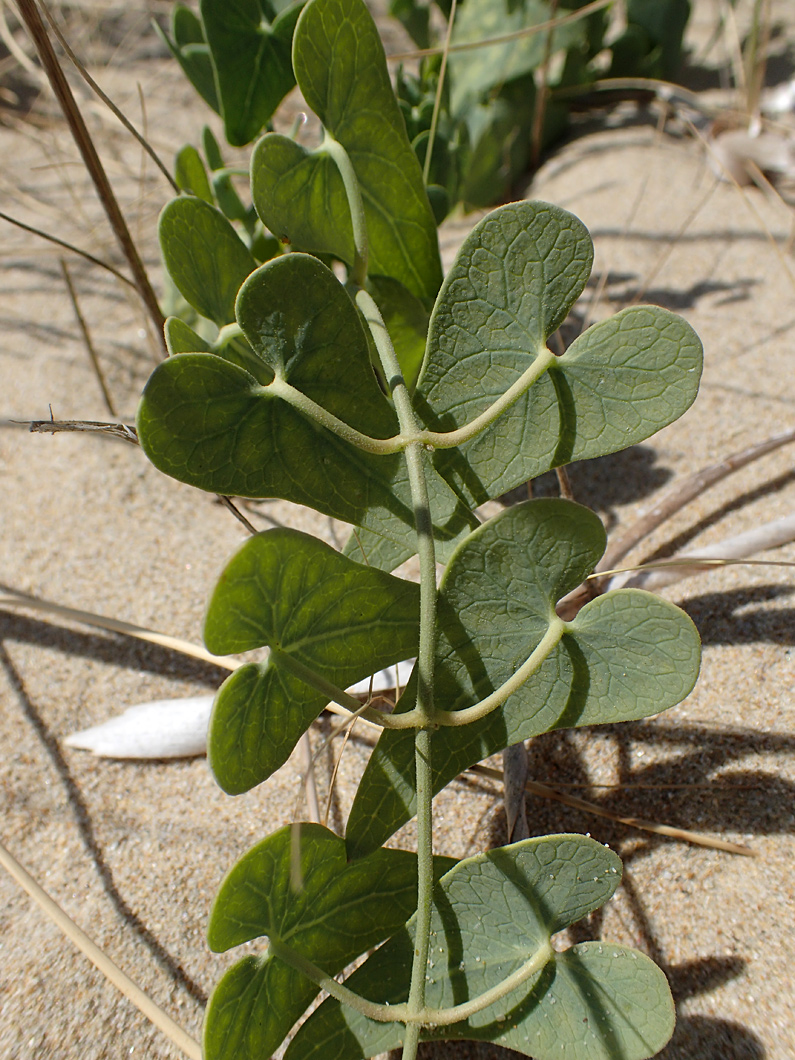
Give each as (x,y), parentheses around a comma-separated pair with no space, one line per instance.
(514,280)
(475,73)
(625,656)
(491,914)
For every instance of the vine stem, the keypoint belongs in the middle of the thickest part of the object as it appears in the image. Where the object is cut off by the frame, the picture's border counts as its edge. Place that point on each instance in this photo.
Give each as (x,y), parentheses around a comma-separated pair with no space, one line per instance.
(425,663)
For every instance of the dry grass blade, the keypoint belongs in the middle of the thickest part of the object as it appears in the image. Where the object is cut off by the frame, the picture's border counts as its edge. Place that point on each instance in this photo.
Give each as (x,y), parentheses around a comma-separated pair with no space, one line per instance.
(100,960)
(730,551)
(92,353)
(633,822)
(116,430)
(107,100)
(12,598)
(506,38)
(63,93)
(67,246)
(685,492)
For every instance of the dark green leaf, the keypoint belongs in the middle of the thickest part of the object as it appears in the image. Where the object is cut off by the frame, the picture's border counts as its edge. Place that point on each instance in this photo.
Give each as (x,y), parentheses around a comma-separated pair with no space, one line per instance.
(205,257)
(190,50)
(491,914)
(321,614)
(627,655)
(341,69)
(252,62)
(217,426)
(180,338)
(339,911)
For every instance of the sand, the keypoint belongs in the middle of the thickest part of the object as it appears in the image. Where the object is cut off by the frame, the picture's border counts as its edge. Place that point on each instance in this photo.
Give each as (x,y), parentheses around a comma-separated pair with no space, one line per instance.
(134,851)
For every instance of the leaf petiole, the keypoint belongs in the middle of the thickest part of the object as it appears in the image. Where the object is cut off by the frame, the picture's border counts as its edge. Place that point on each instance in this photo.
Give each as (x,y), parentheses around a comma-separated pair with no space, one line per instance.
(425,1017)
(334,149)
(557,627)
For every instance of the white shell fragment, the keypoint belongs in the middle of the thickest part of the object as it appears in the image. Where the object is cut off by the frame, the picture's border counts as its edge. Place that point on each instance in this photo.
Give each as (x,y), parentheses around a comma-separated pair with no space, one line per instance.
(177,728)
(166,728)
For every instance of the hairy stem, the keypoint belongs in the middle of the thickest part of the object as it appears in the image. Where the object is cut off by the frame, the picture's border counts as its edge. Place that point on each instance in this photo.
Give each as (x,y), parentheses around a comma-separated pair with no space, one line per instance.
(425,663)
(411,435)
(423,1017)
(480,710)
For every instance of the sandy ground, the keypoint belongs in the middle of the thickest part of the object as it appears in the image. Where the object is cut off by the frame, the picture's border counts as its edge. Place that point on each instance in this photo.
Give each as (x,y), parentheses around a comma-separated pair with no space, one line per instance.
(134,851)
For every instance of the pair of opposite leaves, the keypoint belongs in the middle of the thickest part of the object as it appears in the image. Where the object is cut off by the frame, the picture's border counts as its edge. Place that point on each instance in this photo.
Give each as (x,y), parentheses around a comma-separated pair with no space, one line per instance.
(209,421)
(331,621)
(491,914)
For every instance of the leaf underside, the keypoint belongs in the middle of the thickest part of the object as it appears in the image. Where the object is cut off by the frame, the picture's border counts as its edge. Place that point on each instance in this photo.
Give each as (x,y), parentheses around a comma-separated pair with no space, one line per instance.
(627,655)
(491,914)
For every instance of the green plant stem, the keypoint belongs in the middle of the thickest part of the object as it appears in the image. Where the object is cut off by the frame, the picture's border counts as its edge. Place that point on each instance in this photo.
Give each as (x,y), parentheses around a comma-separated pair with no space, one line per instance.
(425,1017)
(414,435)
(337,695)
(437,103)
(425,664)
(334,149)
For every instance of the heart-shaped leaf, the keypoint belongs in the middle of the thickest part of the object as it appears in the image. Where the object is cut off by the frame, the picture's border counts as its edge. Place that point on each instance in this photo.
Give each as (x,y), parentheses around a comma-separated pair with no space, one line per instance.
(514,280)
(216,424)
(205,257)
(251,55)
(341,70)
(325,618)
(627,655)
(297,888)
(493,915)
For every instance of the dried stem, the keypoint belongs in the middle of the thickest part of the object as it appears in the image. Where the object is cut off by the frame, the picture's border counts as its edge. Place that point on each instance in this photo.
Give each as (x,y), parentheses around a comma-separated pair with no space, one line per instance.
(67,246)
(33,20)
(92,353)
(107,100)
(633,822)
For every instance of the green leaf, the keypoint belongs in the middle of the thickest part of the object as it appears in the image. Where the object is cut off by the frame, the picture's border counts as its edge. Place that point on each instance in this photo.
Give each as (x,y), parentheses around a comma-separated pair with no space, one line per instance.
(341,70)
(191,175)
(180,338)
(215,424)
(475,73)
(324,617)
(251,56)
(491,914)
(515,278)
(627,655)
(189,48)
(338,911)
(205,257)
